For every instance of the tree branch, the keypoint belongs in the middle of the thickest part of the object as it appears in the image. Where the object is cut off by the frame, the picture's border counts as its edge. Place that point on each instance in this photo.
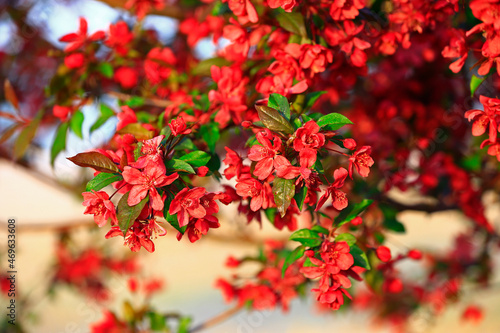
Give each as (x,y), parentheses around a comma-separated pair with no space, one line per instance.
(148,101)
(217,319)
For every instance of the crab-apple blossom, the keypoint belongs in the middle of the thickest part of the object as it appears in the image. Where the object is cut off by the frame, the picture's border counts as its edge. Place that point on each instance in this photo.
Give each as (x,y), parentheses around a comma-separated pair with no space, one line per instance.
(99,205)
(146,182)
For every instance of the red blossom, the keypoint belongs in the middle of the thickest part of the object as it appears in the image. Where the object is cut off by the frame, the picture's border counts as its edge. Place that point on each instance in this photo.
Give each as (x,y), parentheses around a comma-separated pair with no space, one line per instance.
(119,37)
(74,61)
(158,64)
(345,9)
(487,119)
(362,160)
(338,197)
(178,127)
(127,77)
(100,206)
(187,204)
(78,39)
(254,189)
(287,5)
(142,7)
(146,181)
(266,156)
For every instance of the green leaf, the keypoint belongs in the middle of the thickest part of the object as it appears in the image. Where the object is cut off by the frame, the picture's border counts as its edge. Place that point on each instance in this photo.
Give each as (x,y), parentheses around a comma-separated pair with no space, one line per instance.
(292,257)
(320,229)
(137,130)
(283,190)
(311,98)
(390,220)
(27,134)
(135,101)
(210,133)
(126,214)
(292,22)
(272,119)
(102,180)
(270,214)
(204,66)
(184,324)
(179,165)
(157,322)
(475,82)
(59,143)
(106,113)
(360,258)
(105,69)
(76,123)
(196,158)
(349,213)
(280,103)
(306,237)
(334,121)
(300,196)
(346,237)
(95,160)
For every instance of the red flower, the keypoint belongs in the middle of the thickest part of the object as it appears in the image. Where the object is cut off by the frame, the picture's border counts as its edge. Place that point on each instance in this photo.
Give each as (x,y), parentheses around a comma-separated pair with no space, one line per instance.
(100,206)
(74,61)
(230,94)
(147,181)
(254,189)
(137,236)
(456,49)
(361,160)
(265,155)
(261,296)
(277,85)
(143,6)
(334,297)
(315,57)
(200,227)
(307,141)
(61,112)
(119,37)
(483,119)
(127,116)
(339,197)
(109,324)
(178,127)
(187,203)
(126,77)
(473,313)
(346,9)
(158,64)
(383,253)
(234,163)
(287,5)
(78,39)
(152,154)
(243,9)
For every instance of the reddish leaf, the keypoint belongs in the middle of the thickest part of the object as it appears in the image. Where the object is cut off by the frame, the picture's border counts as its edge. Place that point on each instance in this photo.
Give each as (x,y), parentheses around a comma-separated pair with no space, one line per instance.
(9,132)
(10,94)
(94,160)
(26,135)
(139,132)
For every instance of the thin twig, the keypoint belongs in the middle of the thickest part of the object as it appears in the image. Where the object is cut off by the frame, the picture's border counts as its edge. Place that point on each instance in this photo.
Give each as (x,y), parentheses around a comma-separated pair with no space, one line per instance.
(217,319)
(148,101)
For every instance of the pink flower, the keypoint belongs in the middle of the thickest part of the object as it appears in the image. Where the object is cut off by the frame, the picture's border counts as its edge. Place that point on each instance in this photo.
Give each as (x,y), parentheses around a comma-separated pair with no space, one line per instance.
(152,154)
(147,181)
(307,141)
(362,161)
(265,155)
(98,203)
(187,203)
(254,189)
(339,197)
(135,238)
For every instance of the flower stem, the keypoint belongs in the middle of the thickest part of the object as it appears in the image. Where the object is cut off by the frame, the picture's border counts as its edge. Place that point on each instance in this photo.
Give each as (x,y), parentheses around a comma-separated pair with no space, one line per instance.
(217,319)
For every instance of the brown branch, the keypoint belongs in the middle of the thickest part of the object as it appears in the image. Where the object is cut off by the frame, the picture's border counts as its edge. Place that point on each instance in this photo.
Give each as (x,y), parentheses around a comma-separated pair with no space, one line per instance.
(217,319)
(418,207)
(148,101)
(169,10)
